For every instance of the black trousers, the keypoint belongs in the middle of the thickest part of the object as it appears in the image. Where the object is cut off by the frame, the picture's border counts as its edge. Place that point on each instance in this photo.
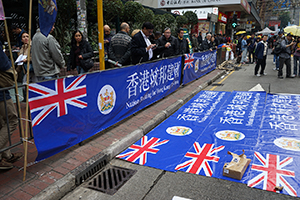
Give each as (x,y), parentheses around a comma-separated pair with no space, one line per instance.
(260,63)
(287,62)
(253,55)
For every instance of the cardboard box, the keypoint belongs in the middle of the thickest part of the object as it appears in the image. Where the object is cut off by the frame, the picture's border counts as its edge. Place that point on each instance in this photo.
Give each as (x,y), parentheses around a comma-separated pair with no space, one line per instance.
(237,167)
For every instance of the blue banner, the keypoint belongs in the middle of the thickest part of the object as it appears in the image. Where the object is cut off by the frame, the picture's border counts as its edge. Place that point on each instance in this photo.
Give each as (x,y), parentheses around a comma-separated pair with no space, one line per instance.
(47,15)
(69,110)
(198,136)
(198,64)
(180,131)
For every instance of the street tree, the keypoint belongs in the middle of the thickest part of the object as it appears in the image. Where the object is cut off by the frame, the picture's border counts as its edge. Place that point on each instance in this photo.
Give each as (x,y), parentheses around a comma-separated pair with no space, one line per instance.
(191,18)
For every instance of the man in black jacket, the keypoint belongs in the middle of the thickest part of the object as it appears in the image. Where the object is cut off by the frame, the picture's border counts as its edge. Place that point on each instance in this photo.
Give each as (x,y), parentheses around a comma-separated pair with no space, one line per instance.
(207,44)
(119,46)
(140,45)
(183,44)
(167,44)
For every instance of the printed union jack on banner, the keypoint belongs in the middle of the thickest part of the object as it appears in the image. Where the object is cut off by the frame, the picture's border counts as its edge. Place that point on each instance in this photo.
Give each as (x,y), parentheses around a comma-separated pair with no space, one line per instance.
(272,172)
(48,99)
(140,151)
(189,61)
(200,159)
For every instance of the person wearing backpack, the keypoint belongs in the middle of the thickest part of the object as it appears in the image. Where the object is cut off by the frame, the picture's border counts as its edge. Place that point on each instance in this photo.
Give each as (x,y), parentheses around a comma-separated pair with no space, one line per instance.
(285,56)
(277,49)
(251,46)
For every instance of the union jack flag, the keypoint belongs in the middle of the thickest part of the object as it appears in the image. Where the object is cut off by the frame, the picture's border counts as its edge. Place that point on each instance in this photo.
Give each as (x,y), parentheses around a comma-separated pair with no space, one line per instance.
(200,159)
(49,99)
(272,173)
(189,61)
(140,152)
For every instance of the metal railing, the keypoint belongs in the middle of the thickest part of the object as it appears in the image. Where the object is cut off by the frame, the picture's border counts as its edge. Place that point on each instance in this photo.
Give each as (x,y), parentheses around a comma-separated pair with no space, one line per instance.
(20,120)
(220,58)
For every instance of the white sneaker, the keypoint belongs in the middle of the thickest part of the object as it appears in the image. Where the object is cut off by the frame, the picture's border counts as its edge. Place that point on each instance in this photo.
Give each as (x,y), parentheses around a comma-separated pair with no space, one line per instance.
(265,74)
(274,68)
(258,75)
(274,63)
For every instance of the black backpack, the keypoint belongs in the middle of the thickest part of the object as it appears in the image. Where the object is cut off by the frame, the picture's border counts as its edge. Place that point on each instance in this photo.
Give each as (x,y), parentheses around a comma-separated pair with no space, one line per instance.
(278,49)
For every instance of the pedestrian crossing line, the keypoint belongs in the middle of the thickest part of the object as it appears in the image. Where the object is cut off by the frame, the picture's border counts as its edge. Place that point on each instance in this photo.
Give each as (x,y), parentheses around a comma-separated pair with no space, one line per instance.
(213,88)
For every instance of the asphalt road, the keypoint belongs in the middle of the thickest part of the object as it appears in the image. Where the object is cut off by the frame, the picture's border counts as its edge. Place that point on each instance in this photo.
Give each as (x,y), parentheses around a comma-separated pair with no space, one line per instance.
(154,184)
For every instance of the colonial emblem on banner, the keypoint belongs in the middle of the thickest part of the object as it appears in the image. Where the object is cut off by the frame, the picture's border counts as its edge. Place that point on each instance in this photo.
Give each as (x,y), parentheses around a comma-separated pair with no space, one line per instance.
(106,99)
(179,130)
(48,99)
(140,151)
(200,159)
(230,135)
(272,173)
(189,61)
(196,66)
(288,143)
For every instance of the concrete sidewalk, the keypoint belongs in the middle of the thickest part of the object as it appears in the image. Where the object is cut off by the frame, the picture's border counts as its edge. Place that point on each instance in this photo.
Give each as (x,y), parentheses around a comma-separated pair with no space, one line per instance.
(54,177)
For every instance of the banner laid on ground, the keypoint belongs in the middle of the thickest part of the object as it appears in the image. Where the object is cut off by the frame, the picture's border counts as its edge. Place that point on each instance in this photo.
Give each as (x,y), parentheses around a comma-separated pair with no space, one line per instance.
(198,136)
(198,64)
(69,110)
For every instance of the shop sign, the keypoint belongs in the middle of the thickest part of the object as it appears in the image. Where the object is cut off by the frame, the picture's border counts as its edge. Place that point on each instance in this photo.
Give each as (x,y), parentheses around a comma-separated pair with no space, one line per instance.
(222,17)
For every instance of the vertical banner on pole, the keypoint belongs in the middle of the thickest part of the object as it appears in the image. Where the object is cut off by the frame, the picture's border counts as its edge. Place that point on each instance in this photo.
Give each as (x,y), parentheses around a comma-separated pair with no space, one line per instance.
(47,15)
(2,17)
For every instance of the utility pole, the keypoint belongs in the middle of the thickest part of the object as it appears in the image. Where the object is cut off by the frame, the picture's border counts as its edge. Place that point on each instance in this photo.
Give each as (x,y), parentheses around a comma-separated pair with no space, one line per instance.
(81,17)
(101,34)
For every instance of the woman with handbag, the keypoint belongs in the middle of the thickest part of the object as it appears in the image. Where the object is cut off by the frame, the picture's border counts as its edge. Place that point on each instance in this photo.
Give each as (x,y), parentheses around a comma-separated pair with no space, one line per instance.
(80,55)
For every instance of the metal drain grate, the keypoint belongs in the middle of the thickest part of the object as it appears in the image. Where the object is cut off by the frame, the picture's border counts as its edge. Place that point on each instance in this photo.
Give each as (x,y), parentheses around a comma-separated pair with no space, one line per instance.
(109,181)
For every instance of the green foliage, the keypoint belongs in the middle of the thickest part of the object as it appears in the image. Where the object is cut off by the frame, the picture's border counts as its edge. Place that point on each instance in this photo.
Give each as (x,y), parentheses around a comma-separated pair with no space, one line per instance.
(132,12)
(284,17)
(112,9)
(181,20)
(64,26)
(191,17)
(170,19)
(160,23)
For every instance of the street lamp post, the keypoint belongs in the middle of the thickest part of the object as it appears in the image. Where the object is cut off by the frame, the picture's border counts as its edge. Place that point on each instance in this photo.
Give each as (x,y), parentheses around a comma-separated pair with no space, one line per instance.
(100,34)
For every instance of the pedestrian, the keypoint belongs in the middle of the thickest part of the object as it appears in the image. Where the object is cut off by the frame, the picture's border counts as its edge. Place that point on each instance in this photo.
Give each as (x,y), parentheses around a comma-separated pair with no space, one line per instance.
(80,50)
(261,53)
(214,43)
(183,44)
(135,31)
(244,49)
(140,45)
(251,46)
(195,42)
(167,44)
(18,32)
(277,44)
(107,39)
(285,56)
(47,59)
(206,43)
(119,46)
(8,117)
(297,57)
(200,39)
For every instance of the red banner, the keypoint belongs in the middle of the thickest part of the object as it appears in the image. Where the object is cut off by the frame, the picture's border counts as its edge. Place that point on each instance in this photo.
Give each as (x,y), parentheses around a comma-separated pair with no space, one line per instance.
(222,17)
(273,23)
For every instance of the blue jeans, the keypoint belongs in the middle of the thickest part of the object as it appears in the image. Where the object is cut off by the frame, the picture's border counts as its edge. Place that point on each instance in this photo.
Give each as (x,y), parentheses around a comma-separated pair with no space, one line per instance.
(244,56)
(277,62)
(80,70)
(274,58)
(296,59)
